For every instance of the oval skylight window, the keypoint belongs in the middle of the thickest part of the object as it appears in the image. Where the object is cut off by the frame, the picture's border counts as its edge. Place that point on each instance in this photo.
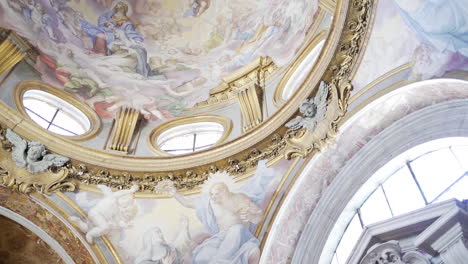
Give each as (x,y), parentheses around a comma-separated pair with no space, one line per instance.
(55,114)
(189,134)
(190,138)
(302,71)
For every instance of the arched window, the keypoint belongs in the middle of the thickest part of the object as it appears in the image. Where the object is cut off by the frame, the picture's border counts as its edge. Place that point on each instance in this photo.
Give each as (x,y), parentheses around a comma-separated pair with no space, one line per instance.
(56,111)
(432,172)
(189,135)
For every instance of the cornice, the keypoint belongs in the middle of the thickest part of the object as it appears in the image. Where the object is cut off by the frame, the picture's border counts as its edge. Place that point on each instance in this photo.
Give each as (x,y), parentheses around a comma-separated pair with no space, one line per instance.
(337,61)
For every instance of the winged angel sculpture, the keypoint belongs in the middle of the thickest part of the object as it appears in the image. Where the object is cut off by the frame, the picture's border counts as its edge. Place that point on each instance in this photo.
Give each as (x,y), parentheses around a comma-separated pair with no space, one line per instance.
(313,110)
(32,155)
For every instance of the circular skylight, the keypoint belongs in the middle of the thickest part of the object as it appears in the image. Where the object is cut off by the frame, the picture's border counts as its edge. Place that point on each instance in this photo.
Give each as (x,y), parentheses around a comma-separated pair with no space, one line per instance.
(55,114)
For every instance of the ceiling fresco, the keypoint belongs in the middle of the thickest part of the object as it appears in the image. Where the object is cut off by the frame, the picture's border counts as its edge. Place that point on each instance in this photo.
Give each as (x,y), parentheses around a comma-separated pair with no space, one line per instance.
(160,56)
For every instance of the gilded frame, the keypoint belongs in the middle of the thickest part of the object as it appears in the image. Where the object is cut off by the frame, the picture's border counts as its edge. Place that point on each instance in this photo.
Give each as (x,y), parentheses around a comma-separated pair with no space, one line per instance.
(152,138)
(278,94)
(24,86)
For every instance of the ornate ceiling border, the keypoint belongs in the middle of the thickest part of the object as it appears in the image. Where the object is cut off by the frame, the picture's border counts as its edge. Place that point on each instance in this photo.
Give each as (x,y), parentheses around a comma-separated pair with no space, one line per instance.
(335,65)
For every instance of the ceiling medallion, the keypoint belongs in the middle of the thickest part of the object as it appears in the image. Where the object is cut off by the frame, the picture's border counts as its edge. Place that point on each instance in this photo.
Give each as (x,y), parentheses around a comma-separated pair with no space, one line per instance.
(284,142)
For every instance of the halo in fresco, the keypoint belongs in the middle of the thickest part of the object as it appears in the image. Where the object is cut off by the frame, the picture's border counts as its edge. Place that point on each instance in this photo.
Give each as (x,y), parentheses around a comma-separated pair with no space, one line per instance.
(159,56)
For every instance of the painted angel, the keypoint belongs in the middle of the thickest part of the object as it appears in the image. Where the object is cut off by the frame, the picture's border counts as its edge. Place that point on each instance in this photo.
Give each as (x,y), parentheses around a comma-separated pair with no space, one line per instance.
(313,110)
(115,211)
(33,155)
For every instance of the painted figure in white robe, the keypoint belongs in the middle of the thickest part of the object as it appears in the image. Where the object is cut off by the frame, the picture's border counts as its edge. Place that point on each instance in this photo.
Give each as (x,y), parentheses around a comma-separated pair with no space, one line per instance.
(230,215)
(227,216)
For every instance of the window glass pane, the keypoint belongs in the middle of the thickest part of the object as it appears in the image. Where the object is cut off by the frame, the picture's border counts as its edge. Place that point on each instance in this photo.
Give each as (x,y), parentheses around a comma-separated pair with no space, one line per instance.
(60,131)
(180,142)
(207,138)
(46,105)
(375,209)
(349,239)
(38,120)
(459,191)
(335,260)
(70,123)
(203,148)
(402,192)
(461,152)
(179,152)
(436,171)
(41,108)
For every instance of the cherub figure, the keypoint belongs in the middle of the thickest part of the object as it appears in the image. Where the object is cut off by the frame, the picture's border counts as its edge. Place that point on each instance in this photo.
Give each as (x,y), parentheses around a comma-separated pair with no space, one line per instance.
(32,155)
(114,211)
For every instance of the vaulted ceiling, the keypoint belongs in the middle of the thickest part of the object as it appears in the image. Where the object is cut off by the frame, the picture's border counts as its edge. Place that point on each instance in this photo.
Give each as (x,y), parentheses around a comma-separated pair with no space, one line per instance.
(137,69)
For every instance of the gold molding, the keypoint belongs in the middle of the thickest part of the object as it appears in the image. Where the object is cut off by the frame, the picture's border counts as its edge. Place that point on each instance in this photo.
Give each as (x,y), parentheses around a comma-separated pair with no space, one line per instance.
(93,118)
(222,120)
(259,69)
(278,94)
(59,211)
(380,79)
(251,105)
(339,59)
(275,196)
(10,55)
(283,198)
(125,130)
(7,76)
(329,5)
(374,97)
(82,213)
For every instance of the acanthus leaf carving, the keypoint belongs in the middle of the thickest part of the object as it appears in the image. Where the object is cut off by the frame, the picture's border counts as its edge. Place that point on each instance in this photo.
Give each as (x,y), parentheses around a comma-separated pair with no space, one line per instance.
(316,138)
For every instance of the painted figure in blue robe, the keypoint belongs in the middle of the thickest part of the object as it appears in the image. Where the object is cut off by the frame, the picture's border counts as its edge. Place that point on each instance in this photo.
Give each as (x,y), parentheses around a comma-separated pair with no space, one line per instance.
(230,217)
(442,24)
(116,33)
